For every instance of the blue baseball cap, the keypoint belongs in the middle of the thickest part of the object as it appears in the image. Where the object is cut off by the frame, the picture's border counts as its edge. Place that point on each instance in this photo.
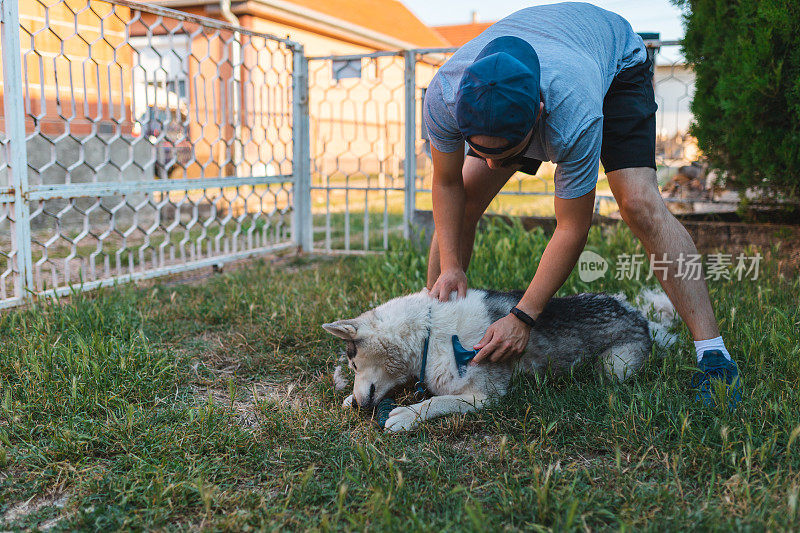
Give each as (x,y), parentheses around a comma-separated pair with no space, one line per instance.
(499,93)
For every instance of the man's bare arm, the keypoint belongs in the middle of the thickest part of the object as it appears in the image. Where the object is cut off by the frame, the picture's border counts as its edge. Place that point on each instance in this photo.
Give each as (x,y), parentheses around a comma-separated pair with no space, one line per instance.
(448,213)
(573,220)
(509,336)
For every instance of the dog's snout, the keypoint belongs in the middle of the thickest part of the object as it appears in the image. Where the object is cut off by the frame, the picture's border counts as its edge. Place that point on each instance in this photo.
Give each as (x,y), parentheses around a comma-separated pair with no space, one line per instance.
(366,403)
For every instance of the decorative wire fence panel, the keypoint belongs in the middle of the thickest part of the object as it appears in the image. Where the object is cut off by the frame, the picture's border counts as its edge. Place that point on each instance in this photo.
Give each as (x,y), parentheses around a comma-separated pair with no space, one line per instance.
(156,141)
(89,239)
(532,195)
(357,119)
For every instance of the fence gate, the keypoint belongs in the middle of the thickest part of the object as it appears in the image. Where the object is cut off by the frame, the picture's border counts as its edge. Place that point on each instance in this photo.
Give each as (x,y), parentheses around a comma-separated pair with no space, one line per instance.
(140,141)
(359,126)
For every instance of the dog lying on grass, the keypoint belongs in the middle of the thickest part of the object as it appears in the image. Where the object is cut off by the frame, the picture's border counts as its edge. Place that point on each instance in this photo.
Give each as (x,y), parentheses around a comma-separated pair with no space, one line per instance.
(386,346)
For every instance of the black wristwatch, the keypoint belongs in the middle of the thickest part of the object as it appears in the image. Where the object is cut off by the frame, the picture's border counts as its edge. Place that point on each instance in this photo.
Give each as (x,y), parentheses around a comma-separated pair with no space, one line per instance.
(523,316)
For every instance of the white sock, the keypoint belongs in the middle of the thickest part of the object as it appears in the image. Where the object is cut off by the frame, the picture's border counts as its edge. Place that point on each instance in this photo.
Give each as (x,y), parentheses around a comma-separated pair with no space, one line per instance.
(711,344)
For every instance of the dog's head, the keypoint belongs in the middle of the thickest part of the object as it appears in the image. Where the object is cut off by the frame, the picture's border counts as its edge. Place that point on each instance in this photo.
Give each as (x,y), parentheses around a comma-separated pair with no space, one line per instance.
(378,353)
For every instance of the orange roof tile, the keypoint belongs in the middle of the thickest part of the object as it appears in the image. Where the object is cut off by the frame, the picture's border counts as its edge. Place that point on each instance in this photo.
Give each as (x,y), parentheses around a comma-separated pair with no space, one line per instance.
(458,34)
(389,17)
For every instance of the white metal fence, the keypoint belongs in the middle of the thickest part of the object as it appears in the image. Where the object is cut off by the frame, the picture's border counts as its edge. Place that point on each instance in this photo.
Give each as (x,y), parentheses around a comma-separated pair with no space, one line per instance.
(140,141)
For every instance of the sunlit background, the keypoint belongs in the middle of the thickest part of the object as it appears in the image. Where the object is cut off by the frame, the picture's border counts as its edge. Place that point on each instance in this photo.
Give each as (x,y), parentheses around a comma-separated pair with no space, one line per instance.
(644,15)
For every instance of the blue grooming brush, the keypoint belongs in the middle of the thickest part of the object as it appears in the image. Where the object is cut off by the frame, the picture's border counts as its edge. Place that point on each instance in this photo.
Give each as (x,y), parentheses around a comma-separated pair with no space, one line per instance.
(462,355)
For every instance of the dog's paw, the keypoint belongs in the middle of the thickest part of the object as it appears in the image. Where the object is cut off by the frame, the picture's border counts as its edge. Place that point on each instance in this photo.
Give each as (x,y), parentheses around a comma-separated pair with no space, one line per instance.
(402,418)
(348,402)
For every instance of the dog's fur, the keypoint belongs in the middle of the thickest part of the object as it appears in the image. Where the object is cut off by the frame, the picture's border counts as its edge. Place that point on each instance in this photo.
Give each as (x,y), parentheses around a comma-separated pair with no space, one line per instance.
(384,345)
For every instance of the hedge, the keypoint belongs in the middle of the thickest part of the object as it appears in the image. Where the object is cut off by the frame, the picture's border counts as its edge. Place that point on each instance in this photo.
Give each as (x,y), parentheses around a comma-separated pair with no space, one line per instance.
(746,56)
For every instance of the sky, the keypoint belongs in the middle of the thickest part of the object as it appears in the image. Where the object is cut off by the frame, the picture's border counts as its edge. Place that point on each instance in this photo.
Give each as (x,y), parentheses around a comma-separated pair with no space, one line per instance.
(644,15)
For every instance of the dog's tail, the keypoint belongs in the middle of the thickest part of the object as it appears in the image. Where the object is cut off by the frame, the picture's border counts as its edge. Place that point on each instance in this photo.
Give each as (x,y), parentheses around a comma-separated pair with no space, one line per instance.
(656,304)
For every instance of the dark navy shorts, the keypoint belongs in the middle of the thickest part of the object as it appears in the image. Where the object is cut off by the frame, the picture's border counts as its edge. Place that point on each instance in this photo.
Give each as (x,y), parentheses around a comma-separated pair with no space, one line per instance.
(629,123)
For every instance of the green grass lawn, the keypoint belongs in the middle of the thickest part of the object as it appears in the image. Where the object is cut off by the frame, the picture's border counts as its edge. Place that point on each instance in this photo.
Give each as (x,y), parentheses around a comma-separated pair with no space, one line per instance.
(210,406)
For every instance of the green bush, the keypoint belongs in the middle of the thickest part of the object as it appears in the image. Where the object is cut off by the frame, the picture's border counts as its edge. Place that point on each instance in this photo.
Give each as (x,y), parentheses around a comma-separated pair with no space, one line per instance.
(746,54)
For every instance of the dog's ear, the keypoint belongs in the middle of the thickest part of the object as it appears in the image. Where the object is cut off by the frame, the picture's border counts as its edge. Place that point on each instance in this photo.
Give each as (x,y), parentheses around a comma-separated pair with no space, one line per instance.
(344,329)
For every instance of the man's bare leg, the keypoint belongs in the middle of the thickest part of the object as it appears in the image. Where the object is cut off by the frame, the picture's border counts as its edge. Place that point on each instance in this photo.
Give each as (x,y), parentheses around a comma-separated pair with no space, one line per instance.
(481,185)
(643,209)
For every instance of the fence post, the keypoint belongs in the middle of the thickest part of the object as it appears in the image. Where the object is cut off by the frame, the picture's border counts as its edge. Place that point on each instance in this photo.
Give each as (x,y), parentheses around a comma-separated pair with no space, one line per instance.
(17,155)
(410,160)
(302,222)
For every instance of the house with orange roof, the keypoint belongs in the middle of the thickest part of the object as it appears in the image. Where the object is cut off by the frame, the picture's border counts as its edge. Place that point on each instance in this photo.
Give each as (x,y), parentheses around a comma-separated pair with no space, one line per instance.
(325,27)
(459,34)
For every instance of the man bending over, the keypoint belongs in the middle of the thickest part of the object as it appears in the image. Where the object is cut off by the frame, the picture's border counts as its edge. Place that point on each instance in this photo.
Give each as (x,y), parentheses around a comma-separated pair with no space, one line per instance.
(569,83)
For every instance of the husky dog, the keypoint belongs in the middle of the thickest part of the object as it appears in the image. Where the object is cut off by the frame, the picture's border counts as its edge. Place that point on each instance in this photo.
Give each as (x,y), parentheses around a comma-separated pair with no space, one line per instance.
(386,346)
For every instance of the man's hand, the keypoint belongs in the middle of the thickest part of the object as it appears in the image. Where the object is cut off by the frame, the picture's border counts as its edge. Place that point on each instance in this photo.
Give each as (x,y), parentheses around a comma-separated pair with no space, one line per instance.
(449,281)
(448,195)
(505,338)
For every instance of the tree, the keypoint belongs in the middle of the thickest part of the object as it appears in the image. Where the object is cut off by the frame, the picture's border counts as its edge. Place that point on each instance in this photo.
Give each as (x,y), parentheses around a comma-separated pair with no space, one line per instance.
(746,56)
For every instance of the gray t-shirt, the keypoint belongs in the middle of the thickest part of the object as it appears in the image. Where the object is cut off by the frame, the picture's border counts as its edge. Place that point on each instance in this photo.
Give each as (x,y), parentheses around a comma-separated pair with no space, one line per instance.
(581,48)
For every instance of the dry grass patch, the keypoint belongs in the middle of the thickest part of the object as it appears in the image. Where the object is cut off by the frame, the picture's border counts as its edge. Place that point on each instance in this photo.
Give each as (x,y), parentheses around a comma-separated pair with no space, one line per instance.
(25,511)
